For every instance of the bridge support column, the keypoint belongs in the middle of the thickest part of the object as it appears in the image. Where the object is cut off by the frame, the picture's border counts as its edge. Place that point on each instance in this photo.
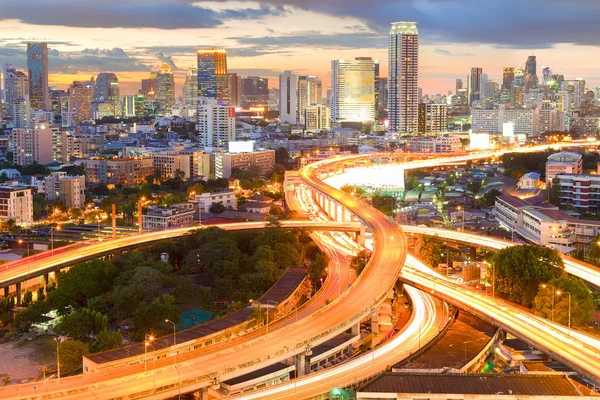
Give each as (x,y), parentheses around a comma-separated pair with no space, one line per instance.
(114,221)
(46,279)
(6,291)
(300,361)
(360,239)
(473,253)
(18,293)
(203,394)
(355,330)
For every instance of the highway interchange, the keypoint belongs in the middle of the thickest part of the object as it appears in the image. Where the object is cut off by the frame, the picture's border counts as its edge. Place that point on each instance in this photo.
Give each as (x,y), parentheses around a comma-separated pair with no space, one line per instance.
(245,354)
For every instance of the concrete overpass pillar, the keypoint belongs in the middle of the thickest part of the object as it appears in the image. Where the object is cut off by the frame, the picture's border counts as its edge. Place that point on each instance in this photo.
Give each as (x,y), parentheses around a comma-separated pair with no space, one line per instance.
(18,292)
(360,239)
(203,394)
(46,279)
(300,362)
(355,330)
(473,253)
(6,291)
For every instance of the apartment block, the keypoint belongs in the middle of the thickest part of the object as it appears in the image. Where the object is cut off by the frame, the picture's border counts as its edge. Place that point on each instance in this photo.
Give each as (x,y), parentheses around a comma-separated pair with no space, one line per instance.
(126,171)
(225,162)
(16,203)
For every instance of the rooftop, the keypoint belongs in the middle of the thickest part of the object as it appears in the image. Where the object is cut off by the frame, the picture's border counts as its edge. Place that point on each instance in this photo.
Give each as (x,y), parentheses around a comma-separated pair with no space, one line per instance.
(481,384)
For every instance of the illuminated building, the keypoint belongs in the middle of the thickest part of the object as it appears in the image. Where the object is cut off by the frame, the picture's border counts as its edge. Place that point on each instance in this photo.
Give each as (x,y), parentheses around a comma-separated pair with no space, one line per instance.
(216,123)
(254,92)
(106,88)
(317,118)
(531,79)
(213,81)
(16,203)
(165,88)
(32,145)
(433,118)
(459,85)
(149,86)
(167,164)
(474,85)
(190,87)
(563,163)
(261,160)
(353,90)
(81,94)
(433,144)
(233,82)
(126,171)
(403,108)
(16,86)
(37,66)
(69,190)
(381,102)
(288,98)
(310,92)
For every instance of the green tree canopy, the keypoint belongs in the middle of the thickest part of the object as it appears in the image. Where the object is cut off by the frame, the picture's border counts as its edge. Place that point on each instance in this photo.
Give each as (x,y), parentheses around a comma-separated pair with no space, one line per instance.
(430,250)
(582,301)
(71,354)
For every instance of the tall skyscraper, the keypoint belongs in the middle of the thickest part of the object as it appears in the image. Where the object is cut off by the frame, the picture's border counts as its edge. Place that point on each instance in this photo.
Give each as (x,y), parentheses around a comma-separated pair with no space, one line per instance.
(288,97)
(149,86)
(474,84)
(353,90)
(235,90)
(508,76)
(403,107)
(213,81)
(216,123)
(165,88)
(531,79)
(254,92)
(81,95)
(106,89)
(381,108)
(190,87)
(310,92)
(16,86)
(459,85)
(37,65)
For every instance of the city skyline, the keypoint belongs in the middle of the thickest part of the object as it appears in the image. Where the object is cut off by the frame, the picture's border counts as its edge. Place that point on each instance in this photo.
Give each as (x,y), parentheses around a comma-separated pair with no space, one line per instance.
(259,40)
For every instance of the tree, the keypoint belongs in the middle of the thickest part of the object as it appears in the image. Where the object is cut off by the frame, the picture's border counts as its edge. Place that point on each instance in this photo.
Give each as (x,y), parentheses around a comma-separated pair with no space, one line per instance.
(149,179)
(196,188)
(217,208)
(27,298)
(74,213)
(106,340)
(150,315)
(71,354)
(474,186)
(489,198)
(582,301)
(519,270)
(75,325)
(317,268)
(430,250)
(359,262)
(412,183)
(554,195)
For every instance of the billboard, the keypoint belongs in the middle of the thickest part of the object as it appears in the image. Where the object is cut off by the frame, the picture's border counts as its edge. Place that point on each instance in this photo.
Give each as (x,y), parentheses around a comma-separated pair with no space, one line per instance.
(480,141)
(359,87)
(241,146)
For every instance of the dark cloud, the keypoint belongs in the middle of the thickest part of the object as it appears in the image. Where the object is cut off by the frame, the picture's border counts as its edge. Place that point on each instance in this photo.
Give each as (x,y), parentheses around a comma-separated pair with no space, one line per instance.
(160,55)
(161,14)
(315,39)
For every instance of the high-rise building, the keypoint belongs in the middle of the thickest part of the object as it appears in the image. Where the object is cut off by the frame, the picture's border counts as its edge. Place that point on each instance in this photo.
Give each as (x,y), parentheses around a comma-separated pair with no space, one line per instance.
(381,108)
(531,79)
(310,92)
(235,90)
(59,100)
(433,118)
(32,145)
(16,203)
(288,97)
(213,81)
(106,88)
(459,85)
(149,86)
(21,113)
(165,88)
(216,123)
(81,94)
(508,76)
(403,108)
(254,92)
(274,99)
(474,84)
(37,66)
(318,118)
(16,86)
(353,90)
(190,87)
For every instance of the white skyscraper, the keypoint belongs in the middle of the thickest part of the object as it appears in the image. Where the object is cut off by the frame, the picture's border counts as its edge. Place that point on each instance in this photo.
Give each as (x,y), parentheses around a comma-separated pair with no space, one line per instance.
(353,84)
(288,97)
(403,107)
(216,123)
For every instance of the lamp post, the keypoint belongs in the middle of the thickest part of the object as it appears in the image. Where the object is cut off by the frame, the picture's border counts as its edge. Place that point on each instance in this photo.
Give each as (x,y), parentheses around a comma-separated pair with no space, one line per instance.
(98,222)
(57,339)
(148,338)
(178,381)
(52,237)
(174,339)
(459,208)
(269,302)
(140,218)
(148,344)
(552,308)
(21,241)
(558,293)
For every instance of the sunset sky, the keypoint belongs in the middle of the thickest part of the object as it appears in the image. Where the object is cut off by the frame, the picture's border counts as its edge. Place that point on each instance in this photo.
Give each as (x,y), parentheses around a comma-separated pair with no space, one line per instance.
(133,37)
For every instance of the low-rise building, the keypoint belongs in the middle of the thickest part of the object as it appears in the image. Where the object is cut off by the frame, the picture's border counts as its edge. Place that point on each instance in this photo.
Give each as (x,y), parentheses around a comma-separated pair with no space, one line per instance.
(564,162)
(433,144)
(530,180)
(578,190)
(16,203)
(206,200)
(69,190)
(168,164)
(263,161)
(164,218)
(126,171)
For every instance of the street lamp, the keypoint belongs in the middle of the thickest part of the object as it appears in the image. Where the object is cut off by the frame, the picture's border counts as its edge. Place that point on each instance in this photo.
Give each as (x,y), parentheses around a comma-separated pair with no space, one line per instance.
(146,345)
(459,208)
(148,338)
(558,293)
(178,381)
(174,339)
(21,241)
(52,236)
(269,302)
(259,308)
(553,290)
(57,340)
(98,222)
